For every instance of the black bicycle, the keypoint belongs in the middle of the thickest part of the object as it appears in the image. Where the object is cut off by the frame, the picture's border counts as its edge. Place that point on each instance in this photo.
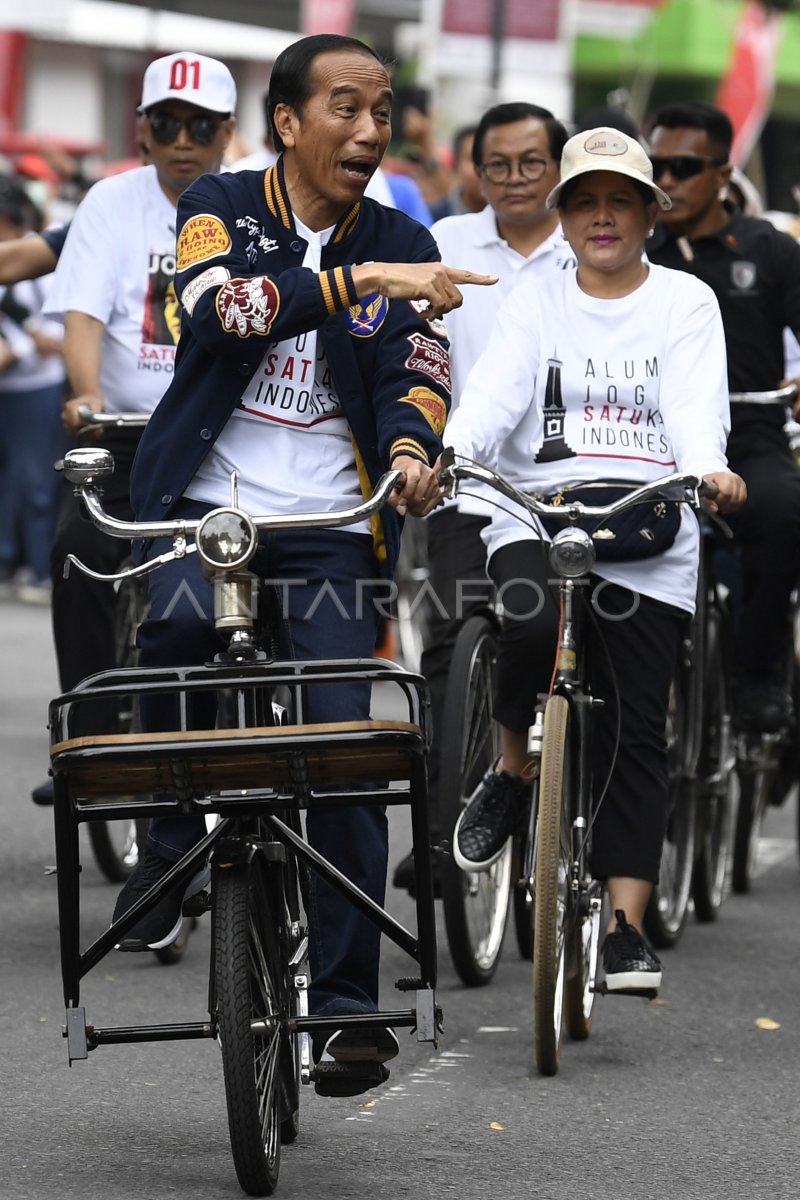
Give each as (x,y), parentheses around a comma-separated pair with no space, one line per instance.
(563,898)
(260,767)
(767,764)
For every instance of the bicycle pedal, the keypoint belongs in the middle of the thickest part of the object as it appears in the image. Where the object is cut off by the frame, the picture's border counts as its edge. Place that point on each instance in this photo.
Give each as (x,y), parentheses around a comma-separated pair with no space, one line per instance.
(600,989)
(196,905)
(348,1079)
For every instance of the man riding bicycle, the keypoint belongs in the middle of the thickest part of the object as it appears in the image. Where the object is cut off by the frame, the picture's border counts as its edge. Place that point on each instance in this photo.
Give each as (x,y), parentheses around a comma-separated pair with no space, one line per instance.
(754,271)
(297,369)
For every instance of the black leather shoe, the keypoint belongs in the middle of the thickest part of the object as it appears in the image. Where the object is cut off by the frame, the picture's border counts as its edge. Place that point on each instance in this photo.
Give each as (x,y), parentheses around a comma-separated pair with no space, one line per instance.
(42,794)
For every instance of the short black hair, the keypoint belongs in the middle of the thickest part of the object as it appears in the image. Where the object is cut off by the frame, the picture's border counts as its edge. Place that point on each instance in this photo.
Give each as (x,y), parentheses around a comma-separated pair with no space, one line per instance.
(16,205)
(507,114)
(647,193)
(460,136)
(695,115)
(290,80)
(611,118)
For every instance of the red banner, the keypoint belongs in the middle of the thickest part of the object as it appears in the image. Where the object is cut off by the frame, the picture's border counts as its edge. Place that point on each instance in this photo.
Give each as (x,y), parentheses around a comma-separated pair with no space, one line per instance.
(12,77)
(745,91)
(520,18)
(328,16)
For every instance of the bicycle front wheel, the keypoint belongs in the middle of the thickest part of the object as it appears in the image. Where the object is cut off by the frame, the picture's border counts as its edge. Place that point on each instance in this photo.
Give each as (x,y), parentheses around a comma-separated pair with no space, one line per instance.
(550,915)
(475,903)
(252,993)
(668,908)
(710,879)
(753,796)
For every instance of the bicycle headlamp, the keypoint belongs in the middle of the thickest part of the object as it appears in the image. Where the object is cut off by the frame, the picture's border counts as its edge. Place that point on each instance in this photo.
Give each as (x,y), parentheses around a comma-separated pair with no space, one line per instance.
(226,539)
(572,553)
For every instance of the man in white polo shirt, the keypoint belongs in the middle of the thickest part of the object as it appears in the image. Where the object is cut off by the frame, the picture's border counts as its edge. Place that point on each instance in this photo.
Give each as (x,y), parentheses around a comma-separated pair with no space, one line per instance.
(516,151)
(113,288)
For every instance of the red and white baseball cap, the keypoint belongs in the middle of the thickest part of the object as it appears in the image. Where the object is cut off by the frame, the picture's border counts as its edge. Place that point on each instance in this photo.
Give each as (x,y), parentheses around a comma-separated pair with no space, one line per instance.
(192,78)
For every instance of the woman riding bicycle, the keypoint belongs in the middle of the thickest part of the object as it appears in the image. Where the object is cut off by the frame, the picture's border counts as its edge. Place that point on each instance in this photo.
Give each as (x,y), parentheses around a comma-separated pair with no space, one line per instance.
(613,373)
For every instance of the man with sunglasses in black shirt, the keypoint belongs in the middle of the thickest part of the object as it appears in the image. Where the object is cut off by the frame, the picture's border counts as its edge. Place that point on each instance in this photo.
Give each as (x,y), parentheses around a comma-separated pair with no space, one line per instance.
(754,271)
(113,288)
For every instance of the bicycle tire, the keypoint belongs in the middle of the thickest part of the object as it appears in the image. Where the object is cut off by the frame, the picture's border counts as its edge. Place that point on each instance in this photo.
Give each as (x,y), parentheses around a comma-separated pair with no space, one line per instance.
(116,845)
(475,903)
(749,816)
(251,984)
(717,773)
(668,907)
(522,902)
(552,886)
(579,993)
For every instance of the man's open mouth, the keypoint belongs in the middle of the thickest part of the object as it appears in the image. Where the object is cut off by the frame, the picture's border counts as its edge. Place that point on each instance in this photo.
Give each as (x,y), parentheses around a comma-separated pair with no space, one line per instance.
(359,169)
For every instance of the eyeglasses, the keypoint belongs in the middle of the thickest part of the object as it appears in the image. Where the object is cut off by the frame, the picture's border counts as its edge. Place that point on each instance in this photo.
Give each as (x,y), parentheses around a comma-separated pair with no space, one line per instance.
(499,169)
(683,166)
(202,129)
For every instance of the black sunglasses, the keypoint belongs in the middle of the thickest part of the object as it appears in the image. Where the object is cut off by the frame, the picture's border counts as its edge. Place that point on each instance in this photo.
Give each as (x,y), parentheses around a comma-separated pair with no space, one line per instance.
(202,129)
(683,166)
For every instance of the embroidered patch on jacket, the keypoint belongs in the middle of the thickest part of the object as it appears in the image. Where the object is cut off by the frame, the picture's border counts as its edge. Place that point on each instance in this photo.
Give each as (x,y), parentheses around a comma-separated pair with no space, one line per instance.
(201,238)
(201,283)
(365,318)
(248,306)
(436,324)
(743,275)
(432,407)
(429,357)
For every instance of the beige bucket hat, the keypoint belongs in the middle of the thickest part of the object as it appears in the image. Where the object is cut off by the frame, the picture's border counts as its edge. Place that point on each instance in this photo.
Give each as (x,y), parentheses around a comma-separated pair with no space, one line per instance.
(606,149)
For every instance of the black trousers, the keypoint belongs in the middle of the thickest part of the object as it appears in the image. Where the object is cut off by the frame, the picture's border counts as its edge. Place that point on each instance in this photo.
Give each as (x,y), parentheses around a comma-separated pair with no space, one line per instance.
(632,646)
(84,609)
(767,530)
(457,575)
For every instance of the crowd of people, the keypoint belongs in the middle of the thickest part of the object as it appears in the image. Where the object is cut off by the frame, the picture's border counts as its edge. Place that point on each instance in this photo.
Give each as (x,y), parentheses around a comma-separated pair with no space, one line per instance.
(606,265)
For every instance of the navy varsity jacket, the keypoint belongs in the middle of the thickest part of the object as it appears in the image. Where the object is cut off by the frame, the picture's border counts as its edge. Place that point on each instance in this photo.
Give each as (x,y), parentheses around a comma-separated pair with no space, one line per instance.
(242,289)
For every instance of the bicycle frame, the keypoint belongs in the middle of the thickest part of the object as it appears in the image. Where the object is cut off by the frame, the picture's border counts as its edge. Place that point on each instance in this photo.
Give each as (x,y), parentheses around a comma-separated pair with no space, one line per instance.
(254,770)
(185,762)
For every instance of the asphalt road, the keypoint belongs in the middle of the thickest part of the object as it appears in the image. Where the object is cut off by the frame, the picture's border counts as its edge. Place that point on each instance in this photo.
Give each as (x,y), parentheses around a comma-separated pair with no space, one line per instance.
(695,1095)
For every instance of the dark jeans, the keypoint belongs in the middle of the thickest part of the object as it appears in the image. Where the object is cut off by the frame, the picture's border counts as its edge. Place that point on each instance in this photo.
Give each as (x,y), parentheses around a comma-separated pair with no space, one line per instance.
(31,439)
(344,946)
(767,530)
(631,656)
(457,574)
(83,609)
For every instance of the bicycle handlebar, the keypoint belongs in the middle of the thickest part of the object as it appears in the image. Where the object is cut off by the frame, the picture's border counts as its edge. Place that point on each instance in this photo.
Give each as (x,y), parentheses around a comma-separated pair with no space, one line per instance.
(90,419)
(677,487)
(780,396)
(79,462)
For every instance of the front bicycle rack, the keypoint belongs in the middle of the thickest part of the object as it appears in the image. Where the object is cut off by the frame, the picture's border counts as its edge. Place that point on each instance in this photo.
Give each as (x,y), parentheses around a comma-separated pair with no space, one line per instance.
(266,772)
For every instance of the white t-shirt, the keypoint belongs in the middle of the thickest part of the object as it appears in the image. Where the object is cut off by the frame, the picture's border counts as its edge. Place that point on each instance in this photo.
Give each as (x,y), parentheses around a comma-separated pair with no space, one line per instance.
(288,441)
(643,392)
(32,370)
(117,266)
(472,241)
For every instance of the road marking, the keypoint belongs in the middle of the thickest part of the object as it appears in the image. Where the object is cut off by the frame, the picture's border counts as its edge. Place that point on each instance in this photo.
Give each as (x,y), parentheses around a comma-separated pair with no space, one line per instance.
(772,851)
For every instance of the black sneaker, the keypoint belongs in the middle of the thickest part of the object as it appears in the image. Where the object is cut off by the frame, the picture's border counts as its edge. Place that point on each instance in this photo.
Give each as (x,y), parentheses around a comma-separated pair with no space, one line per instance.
(351,1061)
(493,814)
(42,794)
(161,926)
(629,964)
